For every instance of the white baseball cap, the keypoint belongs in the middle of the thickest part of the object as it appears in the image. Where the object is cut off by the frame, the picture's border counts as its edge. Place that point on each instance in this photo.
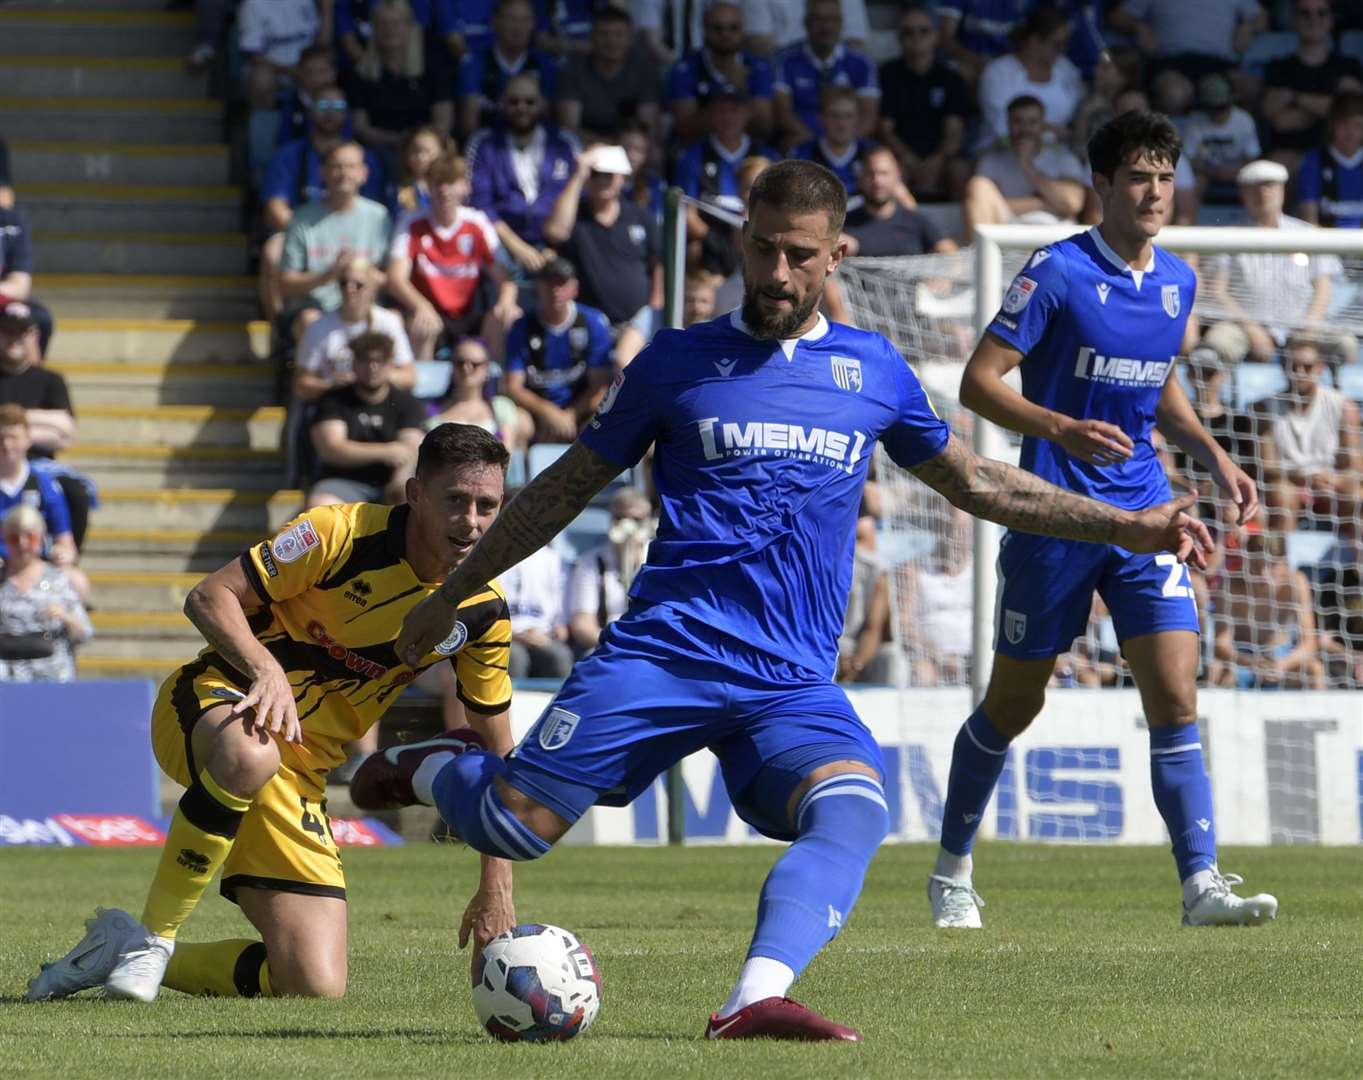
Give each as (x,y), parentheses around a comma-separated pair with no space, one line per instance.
(609,159)
(1262,171)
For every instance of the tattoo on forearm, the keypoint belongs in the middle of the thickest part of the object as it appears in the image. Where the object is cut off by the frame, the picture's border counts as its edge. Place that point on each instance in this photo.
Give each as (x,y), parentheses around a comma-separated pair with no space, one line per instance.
(1012,497)
(533,518)
(198,609)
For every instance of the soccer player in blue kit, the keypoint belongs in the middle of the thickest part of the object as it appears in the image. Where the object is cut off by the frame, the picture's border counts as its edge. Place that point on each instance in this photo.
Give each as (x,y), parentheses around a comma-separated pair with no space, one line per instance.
(1096,323)
(763,422)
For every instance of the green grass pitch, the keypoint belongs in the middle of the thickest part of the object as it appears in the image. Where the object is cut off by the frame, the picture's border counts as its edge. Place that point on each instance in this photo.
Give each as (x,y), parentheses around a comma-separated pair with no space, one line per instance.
(1082,971)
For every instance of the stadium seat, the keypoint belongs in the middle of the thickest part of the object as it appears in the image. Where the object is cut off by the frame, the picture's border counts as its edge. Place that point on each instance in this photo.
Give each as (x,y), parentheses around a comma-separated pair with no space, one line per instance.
(904,545)
(586,531)
(1350,380)
(432,378)
(1265,47)
(1308,548)
(1254,382)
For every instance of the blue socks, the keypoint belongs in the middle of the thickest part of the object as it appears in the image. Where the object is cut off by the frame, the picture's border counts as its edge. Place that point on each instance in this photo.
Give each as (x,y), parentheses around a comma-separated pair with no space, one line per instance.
(1183,794)
(467,800)
(977,759)
(811,890)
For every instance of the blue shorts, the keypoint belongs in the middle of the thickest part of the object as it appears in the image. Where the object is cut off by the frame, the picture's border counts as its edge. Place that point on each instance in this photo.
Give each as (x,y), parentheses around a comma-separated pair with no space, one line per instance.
(1046,591)
(661,686)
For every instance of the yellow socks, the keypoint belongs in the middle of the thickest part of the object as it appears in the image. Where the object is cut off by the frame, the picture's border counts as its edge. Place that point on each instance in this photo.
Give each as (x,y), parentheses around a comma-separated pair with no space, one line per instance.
(235,968)
(197,843)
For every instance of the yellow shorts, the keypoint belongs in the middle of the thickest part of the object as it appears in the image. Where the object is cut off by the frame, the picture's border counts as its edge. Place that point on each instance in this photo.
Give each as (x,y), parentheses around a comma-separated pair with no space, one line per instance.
(285,839)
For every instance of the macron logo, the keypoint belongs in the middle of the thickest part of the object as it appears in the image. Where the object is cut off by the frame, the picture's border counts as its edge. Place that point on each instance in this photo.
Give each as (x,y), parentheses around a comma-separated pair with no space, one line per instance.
(1103,289)
(834,918)
(725,367)
(1204,824)
(969,818)
(1121,370)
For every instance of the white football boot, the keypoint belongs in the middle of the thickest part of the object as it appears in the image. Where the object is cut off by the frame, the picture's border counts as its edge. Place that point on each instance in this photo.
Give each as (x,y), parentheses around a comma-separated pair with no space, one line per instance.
(1218,906)
(140,967)
(89,963)
(955,904)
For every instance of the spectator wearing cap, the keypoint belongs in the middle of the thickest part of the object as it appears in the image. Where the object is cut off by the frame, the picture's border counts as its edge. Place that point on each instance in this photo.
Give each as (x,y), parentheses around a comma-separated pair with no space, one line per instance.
(1299,88)
(395,88)
(838,149)
(1219,139)
(614,245)
(16,271)
(325,236)
(297,177)
(558,357)
(611,83)
(444,268)
(518,169)
(46,401)
(272,35)
(923,110)
(366,433)
(485,74)
(1035,66)
(708,168)
(805,69)
(1029,180)
(316,73)
(1181,47)
(882,224)
(1261,298)
(723,66)
(23,485)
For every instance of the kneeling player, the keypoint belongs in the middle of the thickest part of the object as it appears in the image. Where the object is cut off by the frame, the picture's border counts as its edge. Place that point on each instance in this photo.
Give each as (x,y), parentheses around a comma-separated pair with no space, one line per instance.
(299,662)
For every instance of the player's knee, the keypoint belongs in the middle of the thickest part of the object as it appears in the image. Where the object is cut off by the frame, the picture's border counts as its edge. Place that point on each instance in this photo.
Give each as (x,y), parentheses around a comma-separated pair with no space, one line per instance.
(1176,710)
(315,980)
(1012,710)
(849,810)
(244,765)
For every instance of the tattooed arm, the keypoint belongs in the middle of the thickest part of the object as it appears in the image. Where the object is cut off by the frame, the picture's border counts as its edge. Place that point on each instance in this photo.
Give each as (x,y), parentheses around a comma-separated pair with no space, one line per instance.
(534,517)
(1013,497)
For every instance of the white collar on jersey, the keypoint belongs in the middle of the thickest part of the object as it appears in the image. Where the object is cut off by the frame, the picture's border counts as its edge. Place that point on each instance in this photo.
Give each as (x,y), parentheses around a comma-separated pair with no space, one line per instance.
(815,332)
(1118,263)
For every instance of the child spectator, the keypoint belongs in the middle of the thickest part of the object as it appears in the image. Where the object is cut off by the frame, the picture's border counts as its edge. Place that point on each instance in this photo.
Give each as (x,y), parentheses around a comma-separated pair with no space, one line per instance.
(698,303)
(421,148)
(41,613)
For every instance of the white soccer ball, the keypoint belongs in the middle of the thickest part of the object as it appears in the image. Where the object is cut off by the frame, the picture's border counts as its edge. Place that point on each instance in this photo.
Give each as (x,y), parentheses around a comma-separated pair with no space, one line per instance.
(535,983)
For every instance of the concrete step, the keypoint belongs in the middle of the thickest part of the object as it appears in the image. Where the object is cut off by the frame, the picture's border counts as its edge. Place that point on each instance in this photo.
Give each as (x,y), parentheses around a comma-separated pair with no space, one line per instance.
(234,385)
(139,253)
(140,635)
(175,426)
(100,76)
(183,121)
(174,343)
(198,508)
(107,163)
(131,208)
(98,665)
(118,465)
(95,28)
(198,297)
(179,551)
(145,590)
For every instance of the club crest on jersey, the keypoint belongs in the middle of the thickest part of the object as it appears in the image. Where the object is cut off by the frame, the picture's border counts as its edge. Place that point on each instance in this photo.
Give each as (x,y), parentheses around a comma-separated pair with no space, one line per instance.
(1019,294)
(847,372)
(455,641)
(1169,294)
(294,543)
(557,727)
(1014,626)
(578,338)
(464,244)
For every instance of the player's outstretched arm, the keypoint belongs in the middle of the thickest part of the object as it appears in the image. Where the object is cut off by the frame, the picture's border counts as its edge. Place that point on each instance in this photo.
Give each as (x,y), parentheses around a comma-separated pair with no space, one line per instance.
(1010,496)
(533,518)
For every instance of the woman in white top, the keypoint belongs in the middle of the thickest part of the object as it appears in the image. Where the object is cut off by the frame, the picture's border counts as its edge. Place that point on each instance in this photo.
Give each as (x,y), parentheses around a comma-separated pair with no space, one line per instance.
(468,402)
(41,617)
(1037,66)
(324,354)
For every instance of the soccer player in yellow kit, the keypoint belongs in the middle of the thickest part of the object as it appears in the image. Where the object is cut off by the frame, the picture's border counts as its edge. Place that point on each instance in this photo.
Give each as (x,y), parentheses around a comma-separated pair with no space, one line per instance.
(300,660)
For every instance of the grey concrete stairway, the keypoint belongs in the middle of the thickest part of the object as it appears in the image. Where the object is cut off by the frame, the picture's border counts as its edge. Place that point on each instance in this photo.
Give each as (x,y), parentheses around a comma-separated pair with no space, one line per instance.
(122,169)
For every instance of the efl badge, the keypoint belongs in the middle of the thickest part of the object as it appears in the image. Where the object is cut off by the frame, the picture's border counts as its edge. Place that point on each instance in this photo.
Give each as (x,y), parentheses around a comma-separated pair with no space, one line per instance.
(1169,294)
(1019,294)
(1014,626)
(847,373)
(293,543)
(557,727)
(455,641)
(608,401)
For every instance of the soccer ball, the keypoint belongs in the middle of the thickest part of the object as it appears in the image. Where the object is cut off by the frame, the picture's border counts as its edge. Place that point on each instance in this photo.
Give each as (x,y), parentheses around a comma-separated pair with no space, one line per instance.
(535,983)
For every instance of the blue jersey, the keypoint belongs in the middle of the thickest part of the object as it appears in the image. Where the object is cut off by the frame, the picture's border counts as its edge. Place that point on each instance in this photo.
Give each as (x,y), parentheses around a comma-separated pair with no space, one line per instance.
(803,76)
(761,450)
(1099,341)
(846,167)
(1335,185)
(705,170)
(558,361)
(693,77)
(40,491)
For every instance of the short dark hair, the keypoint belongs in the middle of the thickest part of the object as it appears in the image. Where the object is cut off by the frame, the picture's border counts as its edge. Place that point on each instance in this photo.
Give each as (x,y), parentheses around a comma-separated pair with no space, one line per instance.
(801,187)
(1132,134)
(1026,101)
(372,341)
(611,14)
(1345,105)
(1043,21)
(345,144)
(457,445)
(13,415)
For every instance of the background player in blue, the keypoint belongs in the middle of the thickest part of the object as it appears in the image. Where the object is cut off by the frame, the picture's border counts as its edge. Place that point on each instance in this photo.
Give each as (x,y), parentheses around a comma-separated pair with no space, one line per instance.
(762,422)
(1097,322)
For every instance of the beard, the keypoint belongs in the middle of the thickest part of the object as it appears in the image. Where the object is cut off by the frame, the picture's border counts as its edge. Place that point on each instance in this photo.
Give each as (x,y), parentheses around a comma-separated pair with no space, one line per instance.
(778,325)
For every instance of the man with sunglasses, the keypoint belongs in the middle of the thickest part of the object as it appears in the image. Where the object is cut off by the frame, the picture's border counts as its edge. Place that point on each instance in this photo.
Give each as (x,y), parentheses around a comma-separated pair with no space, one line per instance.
(722,66)
(485,74)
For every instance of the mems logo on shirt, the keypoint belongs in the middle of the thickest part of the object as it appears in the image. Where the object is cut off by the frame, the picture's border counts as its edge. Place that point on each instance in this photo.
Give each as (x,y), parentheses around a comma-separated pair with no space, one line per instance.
(1120,370)
(753,438)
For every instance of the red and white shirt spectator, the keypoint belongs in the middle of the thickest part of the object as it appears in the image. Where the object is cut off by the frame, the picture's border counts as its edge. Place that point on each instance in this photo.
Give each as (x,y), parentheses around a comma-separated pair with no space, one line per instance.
(446,261)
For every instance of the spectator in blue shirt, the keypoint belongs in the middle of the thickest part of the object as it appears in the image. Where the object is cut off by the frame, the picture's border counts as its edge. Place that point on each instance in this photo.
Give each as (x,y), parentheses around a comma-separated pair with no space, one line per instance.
(722,65)
(708,168)
(569,25)
(558,357)
(838,149)
(465,25)
(805,69)
(6,184)
(1330,184)
(21,483)
(16,271)
(316,72)
(484,74)
(518,169)
(295,178)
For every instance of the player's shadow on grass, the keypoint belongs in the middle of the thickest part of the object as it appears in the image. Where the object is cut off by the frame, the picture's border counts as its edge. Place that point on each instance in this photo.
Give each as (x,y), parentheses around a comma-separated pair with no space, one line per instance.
(420,1035)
